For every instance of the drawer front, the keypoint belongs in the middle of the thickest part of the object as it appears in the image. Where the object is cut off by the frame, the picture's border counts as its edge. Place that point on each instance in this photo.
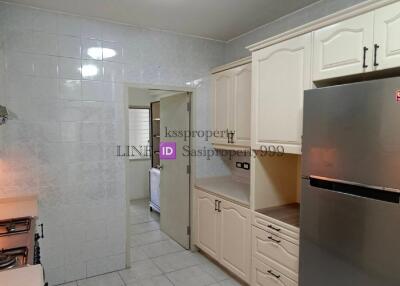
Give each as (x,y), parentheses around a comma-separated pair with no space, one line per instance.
(265,275)
(276,227)
(269,248)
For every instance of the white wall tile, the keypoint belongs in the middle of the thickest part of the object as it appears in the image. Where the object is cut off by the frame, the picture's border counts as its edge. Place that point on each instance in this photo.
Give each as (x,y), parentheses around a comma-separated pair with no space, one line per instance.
(91,44)
(113,47)
(45,66)
(113,71)
(44,43)
(68,25)
(92,29)
(44,21)
(69,68)
(69,46)
(69,89)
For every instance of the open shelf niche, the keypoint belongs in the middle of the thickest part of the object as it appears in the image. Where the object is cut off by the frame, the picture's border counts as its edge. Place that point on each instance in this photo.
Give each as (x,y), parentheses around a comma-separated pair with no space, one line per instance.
(275,181)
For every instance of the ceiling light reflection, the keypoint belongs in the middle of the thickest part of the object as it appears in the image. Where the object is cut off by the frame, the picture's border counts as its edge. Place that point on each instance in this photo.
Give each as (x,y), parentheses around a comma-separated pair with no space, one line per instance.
(89,70)
(99,53)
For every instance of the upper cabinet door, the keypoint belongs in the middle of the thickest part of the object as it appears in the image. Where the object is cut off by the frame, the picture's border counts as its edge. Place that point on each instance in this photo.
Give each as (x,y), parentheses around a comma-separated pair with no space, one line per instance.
(387,37)
(281,73)
(339,49)
(222,91)
(235,239)
(242,105)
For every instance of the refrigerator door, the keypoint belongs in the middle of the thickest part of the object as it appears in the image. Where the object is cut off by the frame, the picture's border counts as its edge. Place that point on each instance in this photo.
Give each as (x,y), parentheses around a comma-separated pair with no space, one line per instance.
(352,133)
(346,239)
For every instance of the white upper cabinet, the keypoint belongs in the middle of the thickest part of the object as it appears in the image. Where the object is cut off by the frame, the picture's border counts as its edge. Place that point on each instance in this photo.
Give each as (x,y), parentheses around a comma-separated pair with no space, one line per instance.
(344,48)
(281,73)
(232,106)
(222,91)
(387,37)
(242,105)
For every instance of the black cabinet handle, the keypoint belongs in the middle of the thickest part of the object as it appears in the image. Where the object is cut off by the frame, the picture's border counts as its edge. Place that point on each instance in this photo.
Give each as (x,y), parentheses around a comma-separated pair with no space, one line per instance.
(273,274)
(219,206)
(274,228)
(364,57)
(215,205)
(376,47)
(273,239)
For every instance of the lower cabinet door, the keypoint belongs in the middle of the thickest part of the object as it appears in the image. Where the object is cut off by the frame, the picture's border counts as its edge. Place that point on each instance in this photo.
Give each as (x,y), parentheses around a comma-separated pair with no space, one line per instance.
(207,224)
(235,236)
(264,275)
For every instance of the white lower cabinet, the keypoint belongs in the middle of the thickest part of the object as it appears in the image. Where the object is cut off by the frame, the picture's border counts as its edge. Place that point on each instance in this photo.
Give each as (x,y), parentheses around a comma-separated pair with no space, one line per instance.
(207,224)
(223,231)
(265,275)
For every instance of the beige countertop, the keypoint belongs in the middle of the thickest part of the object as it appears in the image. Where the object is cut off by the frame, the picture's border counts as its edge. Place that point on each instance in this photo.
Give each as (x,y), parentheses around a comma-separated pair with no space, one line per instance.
(27,276)
(227,188)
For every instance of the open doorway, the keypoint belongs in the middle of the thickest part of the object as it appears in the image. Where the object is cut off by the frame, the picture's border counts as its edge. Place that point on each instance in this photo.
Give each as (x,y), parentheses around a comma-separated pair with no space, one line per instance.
(158,172)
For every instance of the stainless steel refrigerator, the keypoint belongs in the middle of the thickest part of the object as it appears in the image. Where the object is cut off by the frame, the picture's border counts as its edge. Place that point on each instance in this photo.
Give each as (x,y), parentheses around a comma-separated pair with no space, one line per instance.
(350,212)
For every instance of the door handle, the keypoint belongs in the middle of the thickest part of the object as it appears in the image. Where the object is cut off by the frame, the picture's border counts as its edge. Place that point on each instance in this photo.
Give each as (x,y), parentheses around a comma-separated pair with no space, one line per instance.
(215,205)
(273,239)
(273,274)
(274,228)
(376,47)
(219,206)
(364,57)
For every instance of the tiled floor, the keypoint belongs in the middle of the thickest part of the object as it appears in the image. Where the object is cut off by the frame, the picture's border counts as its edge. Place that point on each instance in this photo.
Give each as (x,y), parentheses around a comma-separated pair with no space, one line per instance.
(157,260)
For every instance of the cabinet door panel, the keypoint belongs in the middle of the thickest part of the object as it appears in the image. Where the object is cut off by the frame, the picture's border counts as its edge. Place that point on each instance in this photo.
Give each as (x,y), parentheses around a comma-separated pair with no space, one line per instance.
(387,36)
(222,91)
(207,224)
(242,105)
(281,73)
(339,48)
(235,239)
(263,275)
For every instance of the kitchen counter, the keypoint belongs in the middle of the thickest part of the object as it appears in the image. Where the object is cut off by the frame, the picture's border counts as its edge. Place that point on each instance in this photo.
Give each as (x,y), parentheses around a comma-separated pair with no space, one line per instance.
(26,276)
(227,188)
(289,214)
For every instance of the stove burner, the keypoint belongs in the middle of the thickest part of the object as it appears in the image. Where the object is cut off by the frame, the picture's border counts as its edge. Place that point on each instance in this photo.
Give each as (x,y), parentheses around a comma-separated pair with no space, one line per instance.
(7,261)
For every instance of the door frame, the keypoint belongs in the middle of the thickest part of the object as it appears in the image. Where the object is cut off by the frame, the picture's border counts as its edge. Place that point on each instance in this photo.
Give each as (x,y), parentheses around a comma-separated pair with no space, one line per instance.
(192,91)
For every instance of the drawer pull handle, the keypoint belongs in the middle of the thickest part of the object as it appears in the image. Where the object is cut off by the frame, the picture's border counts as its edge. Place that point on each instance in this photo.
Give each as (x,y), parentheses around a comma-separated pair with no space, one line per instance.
(274,228)
(273,274)
(274,240)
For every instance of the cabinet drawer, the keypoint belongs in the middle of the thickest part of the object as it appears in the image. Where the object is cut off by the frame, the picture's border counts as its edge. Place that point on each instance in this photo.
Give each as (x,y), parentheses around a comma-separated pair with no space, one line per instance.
(273,226)
(279,252)
(265,275)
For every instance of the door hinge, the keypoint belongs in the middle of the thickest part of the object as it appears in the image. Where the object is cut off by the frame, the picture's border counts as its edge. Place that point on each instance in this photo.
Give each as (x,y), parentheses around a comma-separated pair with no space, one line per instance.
(188,230)
(188,169)
(188,106)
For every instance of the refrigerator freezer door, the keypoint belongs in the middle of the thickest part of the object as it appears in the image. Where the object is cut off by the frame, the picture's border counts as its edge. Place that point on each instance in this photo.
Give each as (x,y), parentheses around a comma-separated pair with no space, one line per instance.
(352,133)
(348,240)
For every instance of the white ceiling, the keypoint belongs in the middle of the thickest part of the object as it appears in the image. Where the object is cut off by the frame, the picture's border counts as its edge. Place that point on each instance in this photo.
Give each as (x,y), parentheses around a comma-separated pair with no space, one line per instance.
(215,19)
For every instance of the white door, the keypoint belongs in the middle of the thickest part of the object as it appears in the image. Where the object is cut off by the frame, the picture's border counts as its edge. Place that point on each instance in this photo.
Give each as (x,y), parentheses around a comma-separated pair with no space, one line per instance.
(281,73)
(339,49)
(235,239)
(222,91)
(207,223)
(174,178)
(387,37)
(242,105)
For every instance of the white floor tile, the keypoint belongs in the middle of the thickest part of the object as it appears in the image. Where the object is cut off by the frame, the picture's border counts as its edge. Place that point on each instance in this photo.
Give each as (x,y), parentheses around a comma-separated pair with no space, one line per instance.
(215,271)
(152,281)
(177,261)
(148,237)
(140,270)
(192,276)
(138,254)
(111,279)
(144,227)
(69,284)
(161,248)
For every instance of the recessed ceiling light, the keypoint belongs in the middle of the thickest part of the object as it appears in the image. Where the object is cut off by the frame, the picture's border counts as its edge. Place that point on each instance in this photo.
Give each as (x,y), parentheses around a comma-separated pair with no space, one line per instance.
(99,53)
(89,70)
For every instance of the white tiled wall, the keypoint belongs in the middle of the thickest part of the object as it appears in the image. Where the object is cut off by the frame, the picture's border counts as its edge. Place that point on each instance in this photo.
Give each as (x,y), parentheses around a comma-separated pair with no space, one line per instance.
(64,126)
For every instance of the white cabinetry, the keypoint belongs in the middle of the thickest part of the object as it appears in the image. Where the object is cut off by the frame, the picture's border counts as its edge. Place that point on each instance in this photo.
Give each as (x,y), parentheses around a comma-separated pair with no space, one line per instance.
(339,49)
(223,231)
(281,73)
(387,36)
(232,106)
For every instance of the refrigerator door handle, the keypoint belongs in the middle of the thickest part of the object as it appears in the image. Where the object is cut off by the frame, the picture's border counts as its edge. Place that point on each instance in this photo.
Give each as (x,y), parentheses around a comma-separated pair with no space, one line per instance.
(356,189)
